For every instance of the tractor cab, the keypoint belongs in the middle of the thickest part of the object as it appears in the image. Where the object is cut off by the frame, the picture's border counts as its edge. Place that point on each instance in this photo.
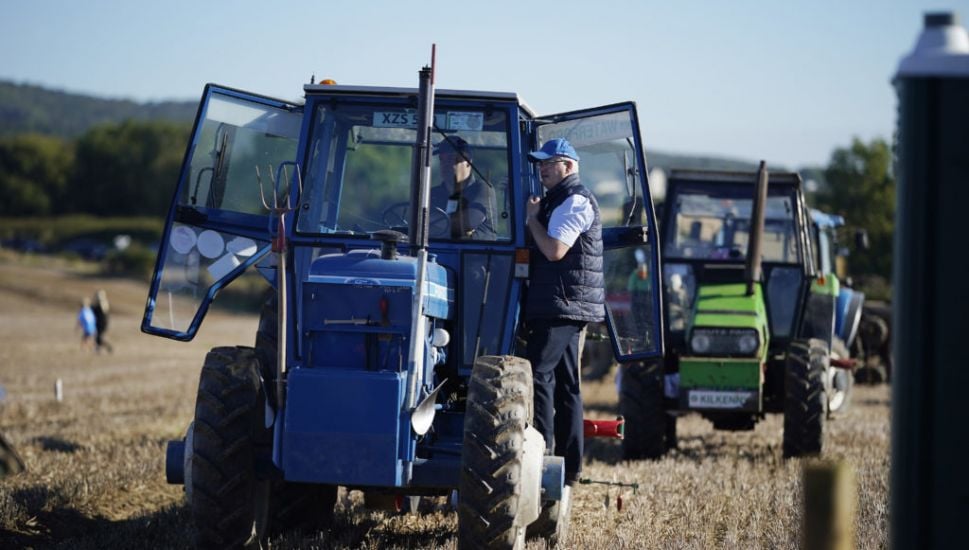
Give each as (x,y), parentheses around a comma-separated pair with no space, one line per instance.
(706,238)
(398,255)
(343,160)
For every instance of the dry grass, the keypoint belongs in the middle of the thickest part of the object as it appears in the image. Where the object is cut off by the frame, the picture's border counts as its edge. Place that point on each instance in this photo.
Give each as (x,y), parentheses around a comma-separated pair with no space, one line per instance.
(95,462)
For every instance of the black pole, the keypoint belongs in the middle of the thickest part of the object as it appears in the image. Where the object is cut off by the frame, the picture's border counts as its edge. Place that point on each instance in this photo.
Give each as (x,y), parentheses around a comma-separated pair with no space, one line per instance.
(930,477)
(752,266)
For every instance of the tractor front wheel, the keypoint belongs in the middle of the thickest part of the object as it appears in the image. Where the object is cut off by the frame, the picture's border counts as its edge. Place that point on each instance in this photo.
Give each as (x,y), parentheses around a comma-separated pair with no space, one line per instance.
(804,397)
(499,409)
(649,430)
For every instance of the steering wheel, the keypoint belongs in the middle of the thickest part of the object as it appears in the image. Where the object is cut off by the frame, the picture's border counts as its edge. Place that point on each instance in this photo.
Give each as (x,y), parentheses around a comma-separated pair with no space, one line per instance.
(398,215)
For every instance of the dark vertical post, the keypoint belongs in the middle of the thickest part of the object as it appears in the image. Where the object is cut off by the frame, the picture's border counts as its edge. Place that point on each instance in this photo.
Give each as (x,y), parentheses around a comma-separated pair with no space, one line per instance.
(930,411)
(752,267)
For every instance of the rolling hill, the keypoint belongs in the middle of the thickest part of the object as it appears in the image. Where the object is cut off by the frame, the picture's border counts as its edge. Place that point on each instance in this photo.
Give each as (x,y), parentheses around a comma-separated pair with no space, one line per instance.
(25,108)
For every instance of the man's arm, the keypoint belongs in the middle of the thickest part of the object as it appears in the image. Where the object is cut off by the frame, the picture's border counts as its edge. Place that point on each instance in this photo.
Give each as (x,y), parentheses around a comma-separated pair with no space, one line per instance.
(553,249)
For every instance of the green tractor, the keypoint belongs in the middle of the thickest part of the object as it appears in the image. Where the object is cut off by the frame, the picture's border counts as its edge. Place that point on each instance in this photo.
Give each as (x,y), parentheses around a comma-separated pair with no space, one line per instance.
(749,316)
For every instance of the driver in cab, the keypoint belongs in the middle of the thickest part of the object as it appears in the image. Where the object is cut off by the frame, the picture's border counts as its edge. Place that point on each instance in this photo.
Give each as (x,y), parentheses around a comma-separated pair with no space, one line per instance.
(467,201)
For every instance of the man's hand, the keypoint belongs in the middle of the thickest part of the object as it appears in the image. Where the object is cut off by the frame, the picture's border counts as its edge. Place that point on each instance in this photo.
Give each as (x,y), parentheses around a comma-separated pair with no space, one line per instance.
(553,249)
(533,207)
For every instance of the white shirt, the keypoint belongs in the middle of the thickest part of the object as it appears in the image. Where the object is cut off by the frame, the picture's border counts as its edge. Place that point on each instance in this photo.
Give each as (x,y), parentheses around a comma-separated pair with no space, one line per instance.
(570,219)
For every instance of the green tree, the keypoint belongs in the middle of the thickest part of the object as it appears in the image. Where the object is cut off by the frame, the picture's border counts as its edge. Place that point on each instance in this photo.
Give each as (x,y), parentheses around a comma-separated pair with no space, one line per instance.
(861,187)
(128,169)
(34,171)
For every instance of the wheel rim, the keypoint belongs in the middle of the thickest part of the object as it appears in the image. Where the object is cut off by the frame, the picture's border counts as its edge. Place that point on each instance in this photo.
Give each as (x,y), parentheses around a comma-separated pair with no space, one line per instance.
(836,385)
(836,397)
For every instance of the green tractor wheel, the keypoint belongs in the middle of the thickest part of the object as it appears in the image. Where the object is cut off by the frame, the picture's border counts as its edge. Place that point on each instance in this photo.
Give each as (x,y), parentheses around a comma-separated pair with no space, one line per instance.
(229,504)
(804,397)
(499,409)
(649,430)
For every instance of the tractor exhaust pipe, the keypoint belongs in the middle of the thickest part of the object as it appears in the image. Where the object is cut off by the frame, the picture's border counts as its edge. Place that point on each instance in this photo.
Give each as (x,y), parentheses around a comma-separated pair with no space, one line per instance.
(420,209)
(752,269)
(421,175)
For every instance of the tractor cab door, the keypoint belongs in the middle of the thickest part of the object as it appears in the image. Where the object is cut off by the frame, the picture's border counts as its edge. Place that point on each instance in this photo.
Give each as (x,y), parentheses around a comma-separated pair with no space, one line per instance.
(613,167)
(242,151)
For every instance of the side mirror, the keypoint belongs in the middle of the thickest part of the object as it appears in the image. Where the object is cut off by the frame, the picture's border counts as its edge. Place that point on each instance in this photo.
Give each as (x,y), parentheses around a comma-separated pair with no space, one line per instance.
(861,239)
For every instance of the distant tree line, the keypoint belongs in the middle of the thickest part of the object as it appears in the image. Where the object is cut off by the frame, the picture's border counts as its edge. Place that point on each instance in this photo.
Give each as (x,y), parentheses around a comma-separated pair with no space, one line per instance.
(119,169)
(859,184)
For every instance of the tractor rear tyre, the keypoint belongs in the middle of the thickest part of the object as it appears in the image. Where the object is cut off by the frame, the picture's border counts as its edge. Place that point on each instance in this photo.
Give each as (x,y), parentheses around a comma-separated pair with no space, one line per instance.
(499,408)
(839,381)
(229,503)
(804,397)
(649,430)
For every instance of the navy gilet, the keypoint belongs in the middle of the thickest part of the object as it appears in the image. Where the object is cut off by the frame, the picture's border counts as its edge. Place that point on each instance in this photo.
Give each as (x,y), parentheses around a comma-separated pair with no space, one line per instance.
(573,287)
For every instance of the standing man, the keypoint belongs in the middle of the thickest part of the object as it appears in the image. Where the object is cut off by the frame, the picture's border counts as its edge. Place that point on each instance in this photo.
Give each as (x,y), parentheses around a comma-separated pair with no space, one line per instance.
(468,202)
(565,291)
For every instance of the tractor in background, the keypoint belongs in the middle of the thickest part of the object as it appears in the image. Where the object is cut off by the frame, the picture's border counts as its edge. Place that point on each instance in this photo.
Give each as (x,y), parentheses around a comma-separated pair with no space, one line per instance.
(750,316)
(862,342)
(383,357)
(847,349)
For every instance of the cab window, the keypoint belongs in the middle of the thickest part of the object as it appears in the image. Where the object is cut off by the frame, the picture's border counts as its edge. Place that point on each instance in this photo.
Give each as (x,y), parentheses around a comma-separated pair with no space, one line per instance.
(359,175)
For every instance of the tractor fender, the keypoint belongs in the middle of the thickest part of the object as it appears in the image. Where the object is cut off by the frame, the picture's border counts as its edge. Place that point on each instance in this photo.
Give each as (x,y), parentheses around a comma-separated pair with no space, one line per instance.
(848,317)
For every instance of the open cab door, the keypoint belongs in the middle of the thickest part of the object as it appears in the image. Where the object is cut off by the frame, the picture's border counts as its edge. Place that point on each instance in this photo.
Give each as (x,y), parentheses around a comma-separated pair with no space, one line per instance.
(613,167)
(242,151)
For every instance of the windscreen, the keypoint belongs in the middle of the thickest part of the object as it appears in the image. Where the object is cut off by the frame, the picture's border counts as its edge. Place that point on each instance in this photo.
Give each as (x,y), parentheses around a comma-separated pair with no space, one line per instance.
(358,179)
(713,223)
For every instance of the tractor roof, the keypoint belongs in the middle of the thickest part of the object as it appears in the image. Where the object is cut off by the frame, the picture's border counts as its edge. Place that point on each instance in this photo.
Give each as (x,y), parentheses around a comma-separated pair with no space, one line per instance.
(331,89)
(724,176)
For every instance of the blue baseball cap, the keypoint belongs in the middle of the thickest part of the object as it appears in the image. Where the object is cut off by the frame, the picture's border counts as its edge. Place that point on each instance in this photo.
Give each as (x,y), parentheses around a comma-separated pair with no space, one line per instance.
(557,147)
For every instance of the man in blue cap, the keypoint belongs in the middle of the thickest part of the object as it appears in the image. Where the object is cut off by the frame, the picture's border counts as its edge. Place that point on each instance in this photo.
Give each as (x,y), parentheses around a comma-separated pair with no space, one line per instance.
(565,291)
(468,202)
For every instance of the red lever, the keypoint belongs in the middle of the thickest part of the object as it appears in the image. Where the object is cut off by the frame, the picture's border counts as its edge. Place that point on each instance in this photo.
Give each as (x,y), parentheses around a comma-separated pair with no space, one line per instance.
(604,428)
(843,363)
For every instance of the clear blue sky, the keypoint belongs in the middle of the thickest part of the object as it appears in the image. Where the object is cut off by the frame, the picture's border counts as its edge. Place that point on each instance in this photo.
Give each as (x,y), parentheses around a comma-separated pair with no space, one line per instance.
(780,80)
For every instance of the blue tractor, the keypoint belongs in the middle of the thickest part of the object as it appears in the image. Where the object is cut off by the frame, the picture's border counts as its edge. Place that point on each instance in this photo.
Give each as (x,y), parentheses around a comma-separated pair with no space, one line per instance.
(384,359)
(847,344)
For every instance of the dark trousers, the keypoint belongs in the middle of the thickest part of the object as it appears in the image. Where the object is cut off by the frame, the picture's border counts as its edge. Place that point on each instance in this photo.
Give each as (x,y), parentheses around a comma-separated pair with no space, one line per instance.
(553,350)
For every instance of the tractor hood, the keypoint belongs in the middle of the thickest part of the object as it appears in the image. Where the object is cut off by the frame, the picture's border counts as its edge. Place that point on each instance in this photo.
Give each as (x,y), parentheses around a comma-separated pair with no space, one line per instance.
(729,306)
(362,270)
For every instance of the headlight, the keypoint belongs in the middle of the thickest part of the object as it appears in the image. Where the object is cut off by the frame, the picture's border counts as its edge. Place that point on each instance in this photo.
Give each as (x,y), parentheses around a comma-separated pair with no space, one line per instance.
(700,343)
(747,343)
(724,341)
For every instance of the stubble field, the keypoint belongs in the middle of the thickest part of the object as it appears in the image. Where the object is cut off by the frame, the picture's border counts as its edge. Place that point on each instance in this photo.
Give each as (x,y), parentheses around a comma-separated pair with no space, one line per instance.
(95,461)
